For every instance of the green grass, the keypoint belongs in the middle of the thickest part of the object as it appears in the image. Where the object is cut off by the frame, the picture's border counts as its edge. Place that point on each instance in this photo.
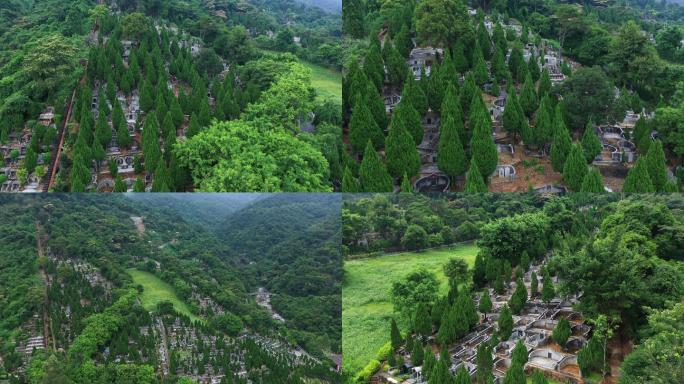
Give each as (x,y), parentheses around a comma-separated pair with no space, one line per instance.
(326,81)
(366,309)
(155,291)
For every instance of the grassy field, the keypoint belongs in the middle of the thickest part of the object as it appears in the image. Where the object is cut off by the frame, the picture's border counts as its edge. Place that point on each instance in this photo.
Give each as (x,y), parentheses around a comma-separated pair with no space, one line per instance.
(366,309)
(156,291)
(326,81)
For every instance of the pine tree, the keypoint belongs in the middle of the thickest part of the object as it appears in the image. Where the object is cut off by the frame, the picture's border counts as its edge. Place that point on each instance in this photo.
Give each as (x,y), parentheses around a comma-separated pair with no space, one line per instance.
(440,373)
(447,329)
(561,141)
(638,179)
(474,181)
(657,168)
(451,108)
(395,335)
(548,291)
(575,168)
(562,332)
(515,375)
(467,92)
(519,298)
(533,68)
(543,127)
(485,364)
(528,97)
(372,99)
(429,362)
(150,141)
(373,174)
(349,183)
(593,182)
(451,157)
(363,128)
(139,185)
(505,323)
(590,143)
(176,113)
(422,321)
(102,131)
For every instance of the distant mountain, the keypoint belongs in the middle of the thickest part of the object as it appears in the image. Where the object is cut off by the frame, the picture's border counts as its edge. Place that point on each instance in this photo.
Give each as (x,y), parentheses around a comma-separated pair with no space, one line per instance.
(328,5)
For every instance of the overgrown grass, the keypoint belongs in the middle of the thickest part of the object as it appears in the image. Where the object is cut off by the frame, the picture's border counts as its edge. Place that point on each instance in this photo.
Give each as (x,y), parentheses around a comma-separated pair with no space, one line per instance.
(155,291)
(366,307)
(326,81)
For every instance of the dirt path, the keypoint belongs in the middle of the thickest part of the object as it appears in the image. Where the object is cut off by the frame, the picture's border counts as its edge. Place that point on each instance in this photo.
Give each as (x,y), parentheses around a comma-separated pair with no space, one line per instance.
(40,238)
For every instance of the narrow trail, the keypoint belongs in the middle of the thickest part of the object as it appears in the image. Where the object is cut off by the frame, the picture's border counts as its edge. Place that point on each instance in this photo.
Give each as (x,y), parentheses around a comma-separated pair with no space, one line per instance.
(57,153)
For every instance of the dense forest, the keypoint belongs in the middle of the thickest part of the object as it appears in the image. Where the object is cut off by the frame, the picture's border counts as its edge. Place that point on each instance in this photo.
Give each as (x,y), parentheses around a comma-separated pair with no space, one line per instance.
(509,96)
(617,258)
(159,83)
(112,290)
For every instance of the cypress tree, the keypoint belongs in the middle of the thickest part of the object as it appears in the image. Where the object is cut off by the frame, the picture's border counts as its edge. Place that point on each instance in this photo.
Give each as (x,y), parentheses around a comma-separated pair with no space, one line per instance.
(534,285)
(519,298)
(474,181)
(515,375)
(373,174)
(467,92)
(373,66)
(548,291)
(519,354)
(515,60)
(480,71)
(499,38)
(406,186)
(139,185)
(352,19)
(590,143)
(561,141)
(447,328)
(451,157)
(533,68)
(485,303)
(539,378)
(375,104)
(102,131)
(429,362)
(499,70)
(440,373)
(146,99)
(543,127)
(451,108)
(403,42)
(395,336)
(528,97)
(417,353)
(447,67)
(483,148)
(657,169)
(119,185)
(512,121)
(462,376)
(641,130)
(562,332)
(505,323)
(485,364)
(460,61)
(436,87)
(409,118)
(396,65)
(638,179)
(413,94)
(484,41)
(575,168)
(422,320)
(177,113)
(544,84)
(162,180)
(349,183)
(593,182)
(402,156)
(150,142)
(363,128)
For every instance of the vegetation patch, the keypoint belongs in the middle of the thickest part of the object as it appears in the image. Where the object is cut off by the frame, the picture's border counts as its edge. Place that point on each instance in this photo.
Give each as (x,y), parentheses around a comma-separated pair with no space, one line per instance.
(366,306)
(156,291)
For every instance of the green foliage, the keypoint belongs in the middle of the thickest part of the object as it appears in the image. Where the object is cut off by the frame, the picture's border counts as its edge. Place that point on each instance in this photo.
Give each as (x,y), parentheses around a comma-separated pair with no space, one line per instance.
(561,142)
(373,174)
(450,154)
(592,182)
(575,168)
(562,332)
(474,181)
(638,180)
(362,128)
(505,323)
(590,142)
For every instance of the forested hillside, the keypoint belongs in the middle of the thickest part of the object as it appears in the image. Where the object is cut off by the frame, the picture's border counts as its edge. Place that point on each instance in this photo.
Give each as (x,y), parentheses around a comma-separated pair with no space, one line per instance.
(609,266)
(105,290)
(88,77)
(579,96)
